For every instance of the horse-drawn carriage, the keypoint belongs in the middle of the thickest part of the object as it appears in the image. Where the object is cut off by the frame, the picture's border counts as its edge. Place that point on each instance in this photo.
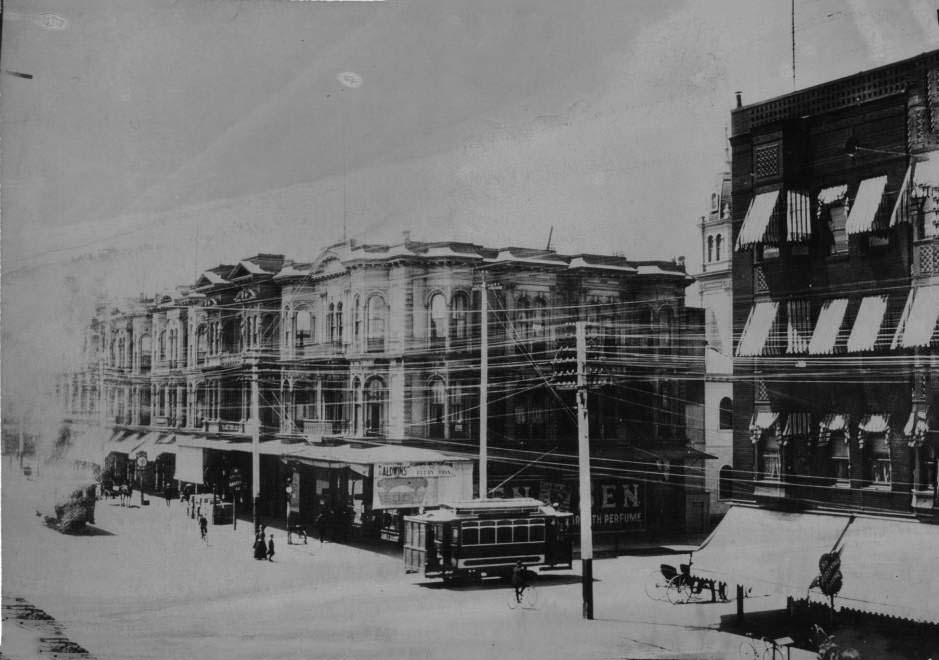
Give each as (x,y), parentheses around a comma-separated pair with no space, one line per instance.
(680,586)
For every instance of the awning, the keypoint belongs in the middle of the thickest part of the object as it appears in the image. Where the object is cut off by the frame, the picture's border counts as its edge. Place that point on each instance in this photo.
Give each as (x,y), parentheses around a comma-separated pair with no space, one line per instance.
(863,212)
(831,195)
(165,445)
(866,329)
(828,326)
(146,444)
(834,422)
(904,203)
(917,426)
(885,569)
(761,422)
(756,331)
(918,322)
(761,211)
(926,176)
(774,551)
(799,214)
(331,456)
(797,423)
(877,423)
(122,442)
(201,442)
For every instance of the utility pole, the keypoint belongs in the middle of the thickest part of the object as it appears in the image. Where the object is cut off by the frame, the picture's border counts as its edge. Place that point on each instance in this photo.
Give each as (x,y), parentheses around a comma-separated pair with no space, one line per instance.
(255,424)
(484,389)
(583,451)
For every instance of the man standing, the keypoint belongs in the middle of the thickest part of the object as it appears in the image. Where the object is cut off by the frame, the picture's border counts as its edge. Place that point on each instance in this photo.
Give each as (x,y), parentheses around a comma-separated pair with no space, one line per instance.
(270,549)
(204,528)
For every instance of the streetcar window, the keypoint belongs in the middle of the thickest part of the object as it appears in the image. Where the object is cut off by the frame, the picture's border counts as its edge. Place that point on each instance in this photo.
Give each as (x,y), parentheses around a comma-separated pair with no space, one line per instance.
(504,532)
(487,532)
(470,536)
(521,532)
(537,532)
(420,536)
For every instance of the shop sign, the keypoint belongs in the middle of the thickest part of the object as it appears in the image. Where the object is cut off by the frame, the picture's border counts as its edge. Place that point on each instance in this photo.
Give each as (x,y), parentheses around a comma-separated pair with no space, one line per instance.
(617,506)
(408,470)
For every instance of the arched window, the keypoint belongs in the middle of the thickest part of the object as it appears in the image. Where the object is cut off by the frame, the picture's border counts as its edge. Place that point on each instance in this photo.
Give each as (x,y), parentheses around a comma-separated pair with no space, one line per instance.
(356,320)
(438,317)
(331,322)
(726,414)
(161,345)
(202,342)
(725,488)
(377,315)
(339,335)
(717,247)
(459,305)
(375,397)
(303,334)
(357,421)
(710,249)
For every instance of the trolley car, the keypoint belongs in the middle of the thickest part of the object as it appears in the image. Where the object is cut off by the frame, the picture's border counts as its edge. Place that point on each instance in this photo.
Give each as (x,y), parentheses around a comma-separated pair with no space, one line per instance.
(481,538)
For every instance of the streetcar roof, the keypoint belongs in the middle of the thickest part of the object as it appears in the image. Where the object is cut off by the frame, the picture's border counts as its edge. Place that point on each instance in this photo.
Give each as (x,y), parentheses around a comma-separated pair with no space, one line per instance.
(508,507)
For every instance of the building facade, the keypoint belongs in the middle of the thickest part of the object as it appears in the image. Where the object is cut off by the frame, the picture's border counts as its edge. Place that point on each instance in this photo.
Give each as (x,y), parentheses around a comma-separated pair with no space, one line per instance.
(261,364)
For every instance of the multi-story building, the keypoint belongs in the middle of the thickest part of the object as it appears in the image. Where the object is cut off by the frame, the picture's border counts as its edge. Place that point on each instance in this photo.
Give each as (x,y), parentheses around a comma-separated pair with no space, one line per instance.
(267,366)
(715,287)
(836,299)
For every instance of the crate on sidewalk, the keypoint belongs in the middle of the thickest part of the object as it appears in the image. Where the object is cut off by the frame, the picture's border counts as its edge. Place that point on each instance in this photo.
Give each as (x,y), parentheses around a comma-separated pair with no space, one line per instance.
(222,513)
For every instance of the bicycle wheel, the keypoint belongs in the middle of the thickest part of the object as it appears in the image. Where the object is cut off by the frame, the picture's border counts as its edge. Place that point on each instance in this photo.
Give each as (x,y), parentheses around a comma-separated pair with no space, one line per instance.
(655,585)
(678,592)
(749,651)
(529,598)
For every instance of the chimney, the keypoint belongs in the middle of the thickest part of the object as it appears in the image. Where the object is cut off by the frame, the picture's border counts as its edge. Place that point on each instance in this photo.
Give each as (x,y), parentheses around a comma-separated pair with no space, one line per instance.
(739,99)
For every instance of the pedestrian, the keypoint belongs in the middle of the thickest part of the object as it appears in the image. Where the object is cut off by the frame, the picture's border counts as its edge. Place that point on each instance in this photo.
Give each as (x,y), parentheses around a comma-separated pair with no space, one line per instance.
(204,528)
(260,550)
(321,526)
(122,491)
(270,549)
(168,494)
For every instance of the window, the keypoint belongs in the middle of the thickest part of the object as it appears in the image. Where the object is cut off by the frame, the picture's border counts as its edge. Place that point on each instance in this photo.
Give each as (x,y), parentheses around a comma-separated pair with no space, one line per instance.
(799,330)
(487,532)
(375,396)
(523,319)
(771,465)
(470,534)
(710,249)
(339,336)
(437,408)
(357,321)
(303,335)
(717,247)
(202,342)
(459,305)
(377,313)
(878,461)
(837,219)
(539,319)
(726,414)
(331,321)
(504,531)
(841,459)
(438,317)
(725,489)
(161,346)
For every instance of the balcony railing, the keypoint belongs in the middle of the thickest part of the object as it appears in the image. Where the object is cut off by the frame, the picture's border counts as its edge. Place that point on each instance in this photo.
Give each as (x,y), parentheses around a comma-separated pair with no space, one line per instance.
(926,258)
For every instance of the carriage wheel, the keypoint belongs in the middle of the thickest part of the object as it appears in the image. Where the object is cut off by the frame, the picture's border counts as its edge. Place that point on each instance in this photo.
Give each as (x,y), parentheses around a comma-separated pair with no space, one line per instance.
(655,585)
(678,591)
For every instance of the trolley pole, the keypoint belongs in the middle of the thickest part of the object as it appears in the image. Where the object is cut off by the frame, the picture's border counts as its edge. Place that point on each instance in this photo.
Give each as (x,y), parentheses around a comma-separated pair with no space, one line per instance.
(484,390)
(583,451)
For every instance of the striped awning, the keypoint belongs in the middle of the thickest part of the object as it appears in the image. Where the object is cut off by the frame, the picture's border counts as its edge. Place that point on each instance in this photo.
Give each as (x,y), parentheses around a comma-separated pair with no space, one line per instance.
(831,195)
(866,329)
(918,322)
(904,203)
(926,176)
(828,326)
(917,426)
(797,423)
(756,331)
(760,422)
(834,422)
(799,215)
(874,423)
(867,202)
(761,211)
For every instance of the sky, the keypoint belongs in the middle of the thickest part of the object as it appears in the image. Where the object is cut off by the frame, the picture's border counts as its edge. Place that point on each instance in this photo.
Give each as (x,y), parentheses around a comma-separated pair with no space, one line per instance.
(157,138)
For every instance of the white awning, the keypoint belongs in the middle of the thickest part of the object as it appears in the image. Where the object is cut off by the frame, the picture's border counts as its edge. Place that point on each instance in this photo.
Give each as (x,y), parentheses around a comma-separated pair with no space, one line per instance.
(876,423)
(901,208)
(756,331)
(866,329)
(775,552)
(764,420)
(797,424)
(918,322)
(926,175)
(882,564)
(834,422)
(867,202)
(828,326)
(757,220)
(832,194)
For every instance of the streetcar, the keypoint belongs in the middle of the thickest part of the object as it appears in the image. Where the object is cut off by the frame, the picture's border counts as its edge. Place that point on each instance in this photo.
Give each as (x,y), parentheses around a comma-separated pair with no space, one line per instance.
(483,538)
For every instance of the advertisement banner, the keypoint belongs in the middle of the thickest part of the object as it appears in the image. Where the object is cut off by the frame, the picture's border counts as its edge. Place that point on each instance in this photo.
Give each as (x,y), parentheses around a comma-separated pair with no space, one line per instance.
(189,464)
(617,506)
(410,486)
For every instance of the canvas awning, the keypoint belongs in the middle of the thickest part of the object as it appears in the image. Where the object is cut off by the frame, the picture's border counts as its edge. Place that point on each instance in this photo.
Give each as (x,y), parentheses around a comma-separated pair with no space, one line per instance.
(797,423)
(757,329)
(903,205)
(918,322)
(834,422)
(758,217)
(867,202)
(917,426)
(876,423)
(775,552)
(830,319)
(760,422)
(122,442)
(926,175)
(866,328)
(146,444)
(884,568)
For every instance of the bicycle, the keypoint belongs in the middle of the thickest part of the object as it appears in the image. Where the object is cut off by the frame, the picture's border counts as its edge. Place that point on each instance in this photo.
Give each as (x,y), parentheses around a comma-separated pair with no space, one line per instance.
(527,600)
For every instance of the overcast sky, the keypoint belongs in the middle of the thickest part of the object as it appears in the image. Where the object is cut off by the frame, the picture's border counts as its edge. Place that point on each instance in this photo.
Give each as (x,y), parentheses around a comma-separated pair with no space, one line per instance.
(157,138)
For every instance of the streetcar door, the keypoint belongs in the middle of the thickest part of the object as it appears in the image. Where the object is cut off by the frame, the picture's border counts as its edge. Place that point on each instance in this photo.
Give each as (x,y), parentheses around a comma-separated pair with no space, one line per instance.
(414,550)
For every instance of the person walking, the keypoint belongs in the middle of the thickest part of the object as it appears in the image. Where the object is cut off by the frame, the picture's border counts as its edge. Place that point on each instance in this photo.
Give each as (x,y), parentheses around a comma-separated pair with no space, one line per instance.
(204,528)
(168,494)
(270,549)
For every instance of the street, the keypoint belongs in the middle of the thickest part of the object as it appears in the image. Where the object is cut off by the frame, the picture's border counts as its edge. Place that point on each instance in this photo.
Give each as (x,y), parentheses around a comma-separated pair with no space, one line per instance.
(143,585)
